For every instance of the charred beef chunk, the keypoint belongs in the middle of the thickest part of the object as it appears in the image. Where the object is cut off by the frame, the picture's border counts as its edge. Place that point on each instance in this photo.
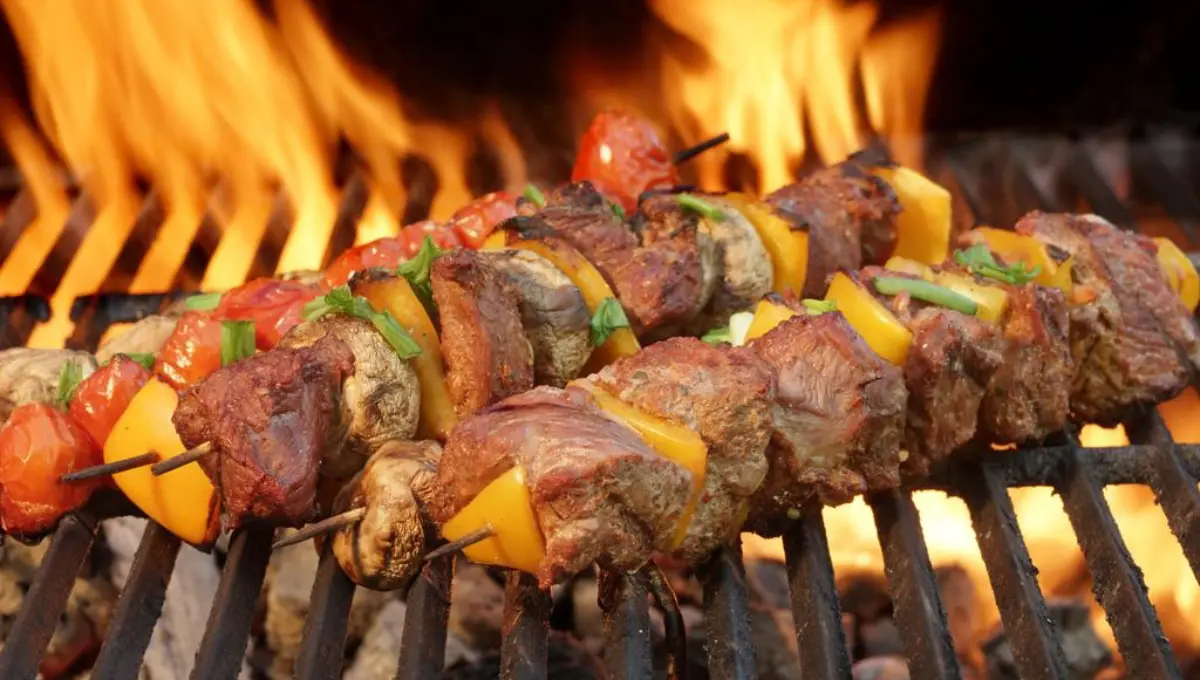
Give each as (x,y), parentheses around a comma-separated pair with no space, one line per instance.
(483,343)
(744,272)
(599,492)
(1133,342)
(385,550)
(30,375)
(837,421)
(725,394)
(381,399)
(582,215)
(272,418)
(850,216)
(555,317)
(664,283)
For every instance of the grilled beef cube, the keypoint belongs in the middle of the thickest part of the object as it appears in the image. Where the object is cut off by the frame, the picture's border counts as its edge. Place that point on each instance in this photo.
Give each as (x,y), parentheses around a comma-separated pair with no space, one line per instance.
(582,215)
(1028,397)
(386,548)
(725,394)
(1133,341)
(837,422)
(381,399)
(850,217)
(664,283)
(483,343)
(555,317)
(599,492)
(272,418)
(30,375)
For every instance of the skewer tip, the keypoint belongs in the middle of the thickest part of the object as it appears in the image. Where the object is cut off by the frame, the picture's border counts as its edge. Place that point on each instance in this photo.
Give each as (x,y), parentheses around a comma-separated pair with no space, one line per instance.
(697,149)
(189,456)
(326,525)
(109,469)
(470,539)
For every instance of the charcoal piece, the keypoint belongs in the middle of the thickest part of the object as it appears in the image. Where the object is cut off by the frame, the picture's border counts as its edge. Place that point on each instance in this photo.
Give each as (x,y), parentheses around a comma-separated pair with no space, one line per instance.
(776,656)
(963,606)
(1085,652)
(565,661)
(865,595)
(476,607)
(879,638)
(768,583)
(881,668)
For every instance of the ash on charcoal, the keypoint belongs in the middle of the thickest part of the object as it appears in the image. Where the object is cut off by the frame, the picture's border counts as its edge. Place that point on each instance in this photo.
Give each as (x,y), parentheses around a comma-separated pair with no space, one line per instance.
(881,668)
(476,607)
(1086,653)
(377,656)
(776,656)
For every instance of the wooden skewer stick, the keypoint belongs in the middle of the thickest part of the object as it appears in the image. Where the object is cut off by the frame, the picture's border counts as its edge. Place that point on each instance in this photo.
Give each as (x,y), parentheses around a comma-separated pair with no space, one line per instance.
(328,524)
(110,468)
(693,151)
(468,540)
(182,459)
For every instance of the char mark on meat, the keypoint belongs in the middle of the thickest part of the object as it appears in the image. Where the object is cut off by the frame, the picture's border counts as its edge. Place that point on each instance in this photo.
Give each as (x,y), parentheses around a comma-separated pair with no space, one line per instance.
(1133,342)
(725,394)
(272,418)
(585,218)
(850,215)
(484,346)
(837,421)
(599,493)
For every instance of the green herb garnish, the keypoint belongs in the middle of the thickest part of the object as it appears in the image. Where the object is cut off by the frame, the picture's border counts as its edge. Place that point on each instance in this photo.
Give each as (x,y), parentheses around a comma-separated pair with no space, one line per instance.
(699,206)
(237,341)
(924,290)
(618,210)
(203,301)
(717,336)
(979,260)
(609,316)
(535,195)
(146,359)
(69,378)
(341,301)
(417,270)
(819,306)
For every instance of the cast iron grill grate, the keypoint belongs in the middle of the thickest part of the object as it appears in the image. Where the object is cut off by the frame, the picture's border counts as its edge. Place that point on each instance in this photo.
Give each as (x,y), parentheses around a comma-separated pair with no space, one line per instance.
(1077,474)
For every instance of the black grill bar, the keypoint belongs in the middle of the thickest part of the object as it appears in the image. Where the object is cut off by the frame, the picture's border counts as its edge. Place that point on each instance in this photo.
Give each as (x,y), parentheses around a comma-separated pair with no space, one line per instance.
(627,650)
(918,605)
(324,642)
(727,616)
(1084,171)
(229,622)
(140,606)
(815,608)
(1174,488)
(18,316)
(675,631)
(1151,172)
(1027,623)
(525,649)
(47,598)
(423,643)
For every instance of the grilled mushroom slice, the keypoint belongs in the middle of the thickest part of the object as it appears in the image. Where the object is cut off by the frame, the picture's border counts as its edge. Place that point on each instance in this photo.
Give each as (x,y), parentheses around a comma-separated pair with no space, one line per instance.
(31,375)
(143,337)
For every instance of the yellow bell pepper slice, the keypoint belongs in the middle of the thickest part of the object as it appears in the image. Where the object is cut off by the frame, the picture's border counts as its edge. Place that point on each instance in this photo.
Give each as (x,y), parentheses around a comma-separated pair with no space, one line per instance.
(495,241)
(1179,272)
(1013,247)
(505,506)
(590,282)
(878,326)
(907,266)
(394,295)
(182,502)
(991,301)
(923,225)
(767,315)
(671,441)
(787,247)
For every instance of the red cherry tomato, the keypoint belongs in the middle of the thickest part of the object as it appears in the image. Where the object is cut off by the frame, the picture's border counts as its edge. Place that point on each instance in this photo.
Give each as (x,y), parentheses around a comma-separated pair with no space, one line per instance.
(38,445)
(415,233)
(101,398)
(192,352)
(474,222)
(273,305)
(622,155)
(384,252)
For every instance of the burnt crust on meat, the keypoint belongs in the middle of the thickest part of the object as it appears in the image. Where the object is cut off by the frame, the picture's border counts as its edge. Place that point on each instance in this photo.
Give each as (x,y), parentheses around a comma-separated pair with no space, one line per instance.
(584,217)
(484,347)
(599,492)
(724,394)
(850,215)
(29,375)
(381,399)
(1133,342)
(837,421)
(272,419)
(386,548)
(553,313)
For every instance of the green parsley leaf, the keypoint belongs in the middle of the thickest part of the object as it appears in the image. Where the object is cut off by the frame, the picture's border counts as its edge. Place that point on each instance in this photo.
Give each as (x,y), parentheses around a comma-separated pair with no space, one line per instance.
(618,210)
(819,306)
(237,341)
(146,359)
(535,195)
(203,301)
(341,301)
(609,316)
(979,260)
(69,377)
(418,269)
(700,206)
(717,335)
